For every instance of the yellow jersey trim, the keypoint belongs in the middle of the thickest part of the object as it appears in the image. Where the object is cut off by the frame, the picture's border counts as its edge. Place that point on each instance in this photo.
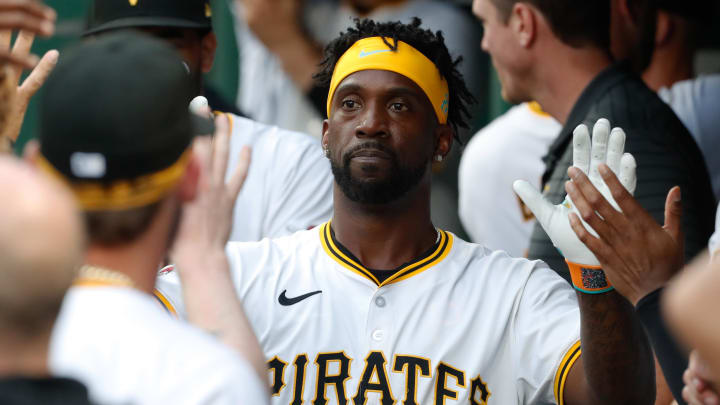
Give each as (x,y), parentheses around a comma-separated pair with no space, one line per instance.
(535,107)
(563,370)
(229,118)
(164,302)
(444,247)
(91,282)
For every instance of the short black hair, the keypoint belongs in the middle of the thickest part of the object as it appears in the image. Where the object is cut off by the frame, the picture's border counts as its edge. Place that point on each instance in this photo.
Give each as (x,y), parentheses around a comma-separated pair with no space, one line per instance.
(573,22)
(430,44)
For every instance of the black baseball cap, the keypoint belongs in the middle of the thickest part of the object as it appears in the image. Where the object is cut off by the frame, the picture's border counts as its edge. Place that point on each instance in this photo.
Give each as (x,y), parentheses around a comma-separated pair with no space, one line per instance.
(115,14)
(114,120)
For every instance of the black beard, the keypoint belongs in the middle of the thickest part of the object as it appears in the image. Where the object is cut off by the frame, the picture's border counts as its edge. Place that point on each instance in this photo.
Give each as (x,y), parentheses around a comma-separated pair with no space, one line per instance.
(400,182)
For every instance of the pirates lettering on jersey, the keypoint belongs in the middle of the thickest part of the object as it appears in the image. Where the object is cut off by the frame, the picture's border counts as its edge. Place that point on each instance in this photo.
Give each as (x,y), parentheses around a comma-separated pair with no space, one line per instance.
(374,378)
(411,366)
(300,364)
(333,371)
(324,379)
(442,388)
(277,367)
(479,392)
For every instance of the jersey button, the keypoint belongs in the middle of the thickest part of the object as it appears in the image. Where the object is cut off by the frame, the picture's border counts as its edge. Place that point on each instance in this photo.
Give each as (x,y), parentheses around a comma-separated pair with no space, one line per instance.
(378,335)
(380,301)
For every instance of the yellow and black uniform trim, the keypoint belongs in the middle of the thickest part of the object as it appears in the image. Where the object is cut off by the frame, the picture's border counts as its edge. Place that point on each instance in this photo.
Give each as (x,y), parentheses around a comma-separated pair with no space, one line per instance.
(123,194)
(406,271)
(563,370)
(164,302)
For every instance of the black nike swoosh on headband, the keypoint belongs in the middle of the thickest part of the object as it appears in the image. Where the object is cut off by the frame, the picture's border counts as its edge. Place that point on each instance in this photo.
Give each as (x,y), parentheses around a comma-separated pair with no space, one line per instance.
(285,301)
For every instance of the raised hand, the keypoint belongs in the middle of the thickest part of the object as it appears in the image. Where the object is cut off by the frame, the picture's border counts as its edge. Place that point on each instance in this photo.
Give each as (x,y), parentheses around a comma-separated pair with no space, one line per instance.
(28,16)
(637,254)
(606,148)
(199,249)
(207,220)
(17,96)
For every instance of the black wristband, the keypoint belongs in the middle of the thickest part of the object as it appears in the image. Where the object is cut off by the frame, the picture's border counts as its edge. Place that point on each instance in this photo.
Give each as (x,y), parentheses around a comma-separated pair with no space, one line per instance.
(673,360)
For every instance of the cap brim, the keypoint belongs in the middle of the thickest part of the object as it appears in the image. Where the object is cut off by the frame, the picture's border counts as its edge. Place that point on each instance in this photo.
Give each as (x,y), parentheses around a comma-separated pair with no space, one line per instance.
(146,21)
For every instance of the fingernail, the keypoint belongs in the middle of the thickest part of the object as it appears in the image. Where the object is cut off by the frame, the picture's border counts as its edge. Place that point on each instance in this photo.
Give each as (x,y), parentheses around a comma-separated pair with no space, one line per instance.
(696,382)
(603,169)
(679,195)
(569,186)
(572,172)
(47,28)
(53,58)
(50,13)
(33,60)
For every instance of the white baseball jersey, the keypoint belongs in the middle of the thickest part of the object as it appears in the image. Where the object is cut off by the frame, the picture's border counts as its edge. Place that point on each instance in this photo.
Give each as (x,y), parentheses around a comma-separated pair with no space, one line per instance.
(714,244)
(461,325)
(127,350)
(289,184)
(695,102)
(490,211)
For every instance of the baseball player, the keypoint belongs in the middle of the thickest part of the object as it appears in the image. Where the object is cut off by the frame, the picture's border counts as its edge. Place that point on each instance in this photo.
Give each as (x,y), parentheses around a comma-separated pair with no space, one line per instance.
(492,214)
(379,306)
(289,185)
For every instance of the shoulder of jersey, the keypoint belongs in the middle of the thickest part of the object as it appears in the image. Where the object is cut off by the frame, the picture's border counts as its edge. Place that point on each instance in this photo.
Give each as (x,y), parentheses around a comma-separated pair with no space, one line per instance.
(299,238)
(476,253)
(255,129)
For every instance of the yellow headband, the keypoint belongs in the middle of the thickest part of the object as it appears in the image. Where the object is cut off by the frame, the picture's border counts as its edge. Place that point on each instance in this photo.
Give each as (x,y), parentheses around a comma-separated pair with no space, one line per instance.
(373,53)
(123,194)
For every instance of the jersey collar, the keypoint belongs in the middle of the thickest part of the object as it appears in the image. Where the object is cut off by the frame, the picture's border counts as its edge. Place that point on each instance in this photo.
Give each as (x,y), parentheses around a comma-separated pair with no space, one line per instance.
(407,271)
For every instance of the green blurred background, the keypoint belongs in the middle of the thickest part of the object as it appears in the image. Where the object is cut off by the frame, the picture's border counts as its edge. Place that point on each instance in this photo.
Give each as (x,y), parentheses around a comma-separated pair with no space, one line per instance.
(72,16)
(224,76)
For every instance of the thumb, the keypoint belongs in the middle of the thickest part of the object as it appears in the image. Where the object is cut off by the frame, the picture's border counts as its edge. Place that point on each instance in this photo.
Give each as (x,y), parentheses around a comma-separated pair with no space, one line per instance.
(534,200)
(673,213)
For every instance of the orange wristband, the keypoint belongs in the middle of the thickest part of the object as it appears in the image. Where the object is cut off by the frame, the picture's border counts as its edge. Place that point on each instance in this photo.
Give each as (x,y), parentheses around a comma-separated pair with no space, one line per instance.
(588,279)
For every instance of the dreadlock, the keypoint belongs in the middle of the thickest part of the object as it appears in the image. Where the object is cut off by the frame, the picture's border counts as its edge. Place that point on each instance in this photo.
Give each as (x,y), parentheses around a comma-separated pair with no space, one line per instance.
(430,44)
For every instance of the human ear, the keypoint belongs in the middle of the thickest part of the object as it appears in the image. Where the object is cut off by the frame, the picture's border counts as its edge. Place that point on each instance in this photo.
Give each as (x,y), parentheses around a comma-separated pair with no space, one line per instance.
(208,45)
(523,23)
(444,135)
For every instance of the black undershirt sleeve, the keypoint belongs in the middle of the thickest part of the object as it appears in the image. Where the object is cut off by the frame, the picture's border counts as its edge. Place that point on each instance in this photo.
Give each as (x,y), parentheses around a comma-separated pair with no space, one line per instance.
(673,360)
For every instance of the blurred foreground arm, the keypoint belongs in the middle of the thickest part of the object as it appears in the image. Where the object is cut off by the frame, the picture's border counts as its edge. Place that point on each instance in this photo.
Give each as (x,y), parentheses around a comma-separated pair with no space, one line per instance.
(689,306)
(277,24)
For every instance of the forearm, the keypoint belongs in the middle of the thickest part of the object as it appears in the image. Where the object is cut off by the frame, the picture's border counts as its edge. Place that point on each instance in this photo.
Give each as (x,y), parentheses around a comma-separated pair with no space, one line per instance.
(617,358)
(299,57)
(212,304)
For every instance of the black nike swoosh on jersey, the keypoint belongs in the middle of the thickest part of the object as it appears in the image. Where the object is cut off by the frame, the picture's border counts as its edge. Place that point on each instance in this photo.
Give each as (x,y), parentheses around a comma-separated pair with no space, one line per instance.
(283,300)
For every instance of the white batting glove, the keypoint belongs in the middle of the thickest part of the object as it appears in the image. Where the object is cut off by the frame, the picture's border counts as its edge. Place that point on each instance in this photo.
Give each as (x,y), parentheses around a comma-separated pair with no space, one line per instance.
(606,147)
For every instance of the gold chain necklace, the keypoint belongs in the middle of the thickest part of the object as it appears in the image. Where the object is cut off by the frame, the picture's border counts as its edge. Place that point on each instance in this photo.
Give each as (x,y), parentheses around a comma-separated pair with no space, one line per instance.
(94,276)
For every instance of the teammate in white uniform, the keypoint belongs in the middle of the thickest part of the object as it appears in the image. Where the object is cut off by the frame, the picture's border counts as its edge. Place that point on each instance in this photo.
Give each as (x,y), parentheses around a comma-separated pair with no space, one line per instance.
(124,347)
(378,306)
(111,333)
(489,209)
(289,186)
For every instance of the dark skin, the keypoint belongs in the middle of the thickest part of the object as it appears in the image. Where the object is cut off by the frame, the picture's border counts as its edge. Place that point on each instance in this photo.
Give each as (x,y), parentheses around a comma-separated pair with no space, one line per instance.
(389,108)
(616,366)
